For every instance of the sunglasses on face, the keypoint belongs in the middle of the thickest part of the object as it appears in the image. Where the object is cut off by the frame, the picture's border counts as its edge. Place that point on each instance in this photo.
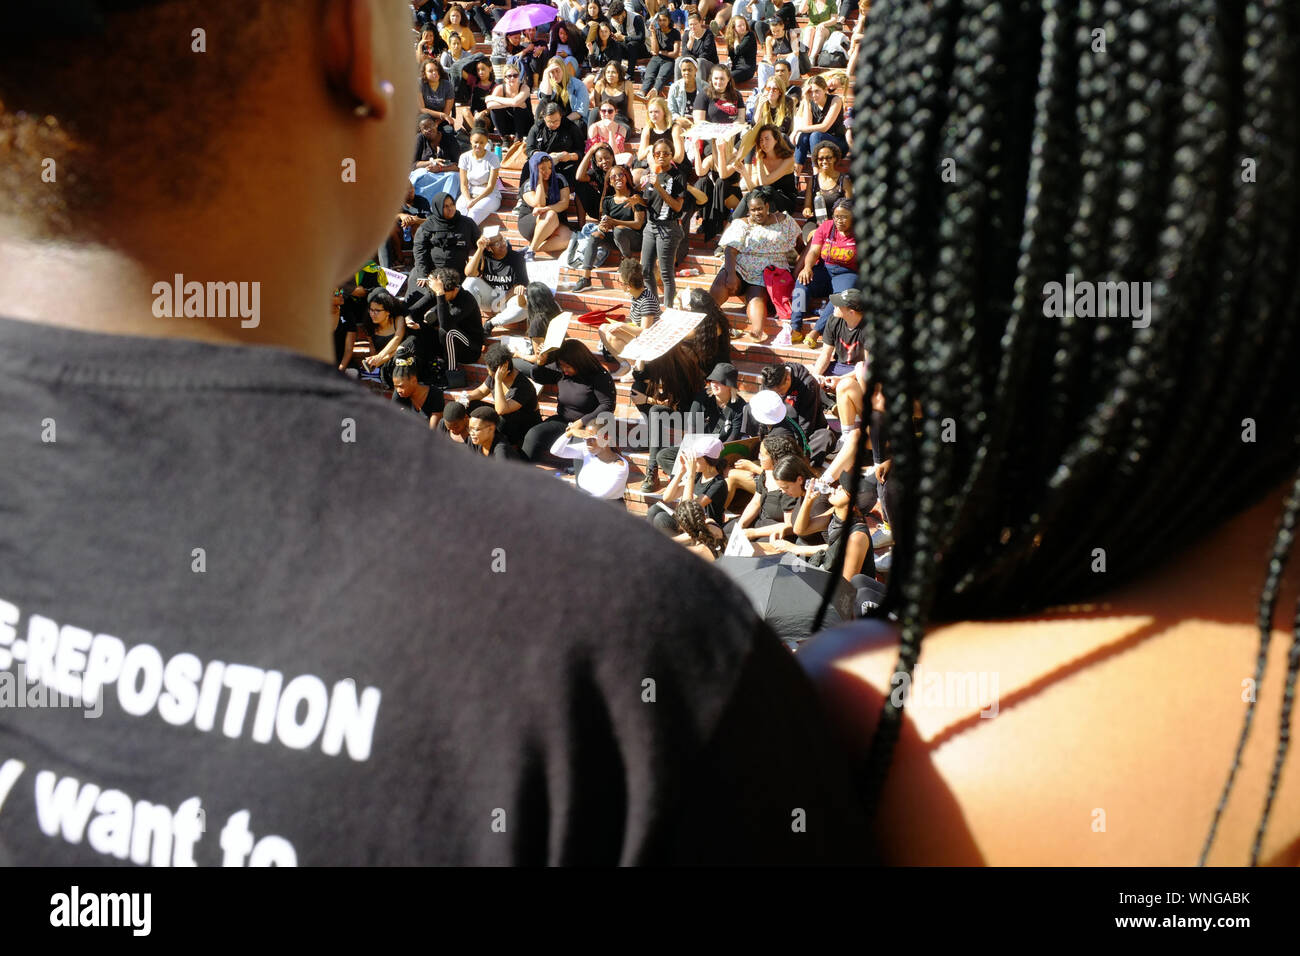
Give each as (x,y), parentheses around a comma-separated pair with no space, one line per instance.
(605,112)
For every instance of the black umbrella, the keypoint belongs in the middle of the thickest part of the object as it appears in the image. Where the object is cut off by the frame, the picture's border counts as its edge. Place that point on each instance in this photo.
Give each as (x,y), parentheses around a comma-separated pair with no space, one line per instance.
(786,592)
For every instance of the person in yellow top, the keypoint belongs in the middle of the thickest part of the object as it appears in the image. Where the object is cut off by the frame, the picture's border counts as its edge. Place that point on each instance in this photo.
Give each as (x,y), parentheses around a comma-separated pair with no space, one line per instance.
(455,21)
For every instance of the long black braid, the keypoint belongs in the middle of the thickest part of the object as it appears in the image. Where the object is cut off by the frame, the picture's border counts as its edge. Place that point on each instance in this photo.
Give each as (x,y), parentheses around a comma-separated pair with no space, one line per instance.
(1079,440)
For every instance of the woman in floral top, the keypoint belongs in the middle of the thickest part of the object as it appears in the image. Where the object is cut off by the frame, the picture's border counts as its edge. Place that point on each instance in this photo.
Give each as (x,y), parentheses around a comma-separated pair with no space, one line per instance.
(763,237)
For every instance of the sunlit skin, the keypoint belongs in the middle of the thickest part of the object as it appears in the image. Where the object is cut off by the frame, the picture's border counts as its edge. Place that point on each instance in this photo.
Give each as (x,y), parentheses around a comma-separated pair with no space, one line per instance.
(482,433)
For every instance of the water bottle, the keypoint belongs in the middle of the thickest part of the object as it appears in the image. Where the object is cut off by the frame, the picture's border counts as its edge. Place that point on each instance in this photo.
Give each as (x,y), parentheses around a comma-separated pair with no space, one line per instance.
(406,233)
(688,272)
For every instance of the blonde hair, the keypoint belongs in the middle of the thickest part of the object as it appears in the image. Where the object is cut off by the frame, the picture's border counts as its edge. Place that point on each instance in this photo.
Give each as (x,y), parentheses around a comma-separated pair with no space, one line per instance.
(765,114)
(663,105)
(566,72)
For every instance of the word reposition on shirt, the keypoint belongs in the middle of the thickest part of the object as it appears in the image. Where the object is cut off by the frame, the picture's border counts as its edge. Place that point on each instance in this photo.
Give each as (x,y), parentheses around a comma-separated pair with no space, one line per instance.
(184,690)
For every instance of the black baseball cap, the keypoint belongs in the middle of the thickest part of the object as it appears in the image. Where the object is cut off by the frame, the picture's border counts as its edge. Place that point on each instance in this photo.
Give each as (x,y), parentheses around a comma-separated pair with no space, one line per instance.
(724,373)
(850,299)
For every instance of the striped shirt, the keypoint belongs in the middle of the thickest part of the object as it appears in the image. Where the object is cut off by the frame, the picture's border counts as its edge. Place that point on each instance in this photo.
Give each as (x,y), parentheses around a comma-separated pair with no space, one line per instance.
(647,303)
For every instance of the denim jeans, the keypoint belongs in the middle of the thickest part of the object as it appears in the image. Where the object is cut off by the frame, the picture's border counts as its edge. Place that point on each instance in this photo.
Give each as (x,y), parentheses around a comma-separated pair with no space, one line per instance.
(806,145)
(826,280)
(659,242)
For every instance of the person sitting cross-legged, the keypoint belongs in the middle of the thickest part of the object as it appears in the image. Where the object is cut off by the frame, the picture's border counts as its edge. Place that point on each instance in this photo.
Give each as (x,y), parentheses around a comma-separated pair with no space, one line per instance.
(497,276)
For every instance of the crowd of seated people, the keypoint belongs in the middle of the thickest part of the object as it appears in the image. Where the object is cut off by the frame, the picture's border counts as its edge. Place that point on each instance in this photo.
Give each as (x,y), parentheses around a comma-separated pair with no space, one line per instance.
(592,115)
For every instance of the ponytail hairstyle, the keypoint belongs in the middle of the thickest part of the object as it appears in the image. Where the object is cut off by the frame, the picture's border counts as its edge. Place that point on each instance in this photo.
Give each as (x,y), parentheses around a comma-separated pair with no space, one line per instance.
(1078,433)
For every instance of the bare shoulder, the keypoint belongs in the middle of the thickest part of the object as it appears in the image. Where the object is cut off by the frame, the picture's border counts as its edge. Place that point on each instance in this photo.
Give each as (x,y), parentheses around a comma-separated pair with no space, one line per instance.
(1079,738)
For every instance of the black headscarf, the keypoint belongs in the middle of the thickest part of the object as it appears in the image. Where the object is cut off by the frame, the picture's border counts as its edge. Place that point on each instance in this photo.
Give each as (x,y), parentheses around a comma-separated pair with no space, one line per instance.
(450,240)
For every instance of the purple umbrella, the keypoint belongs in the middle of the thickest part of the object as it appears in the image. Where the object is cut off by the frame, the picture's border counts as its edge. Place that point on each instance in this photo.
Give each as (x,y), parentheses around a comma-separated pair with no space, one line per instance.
(518,19)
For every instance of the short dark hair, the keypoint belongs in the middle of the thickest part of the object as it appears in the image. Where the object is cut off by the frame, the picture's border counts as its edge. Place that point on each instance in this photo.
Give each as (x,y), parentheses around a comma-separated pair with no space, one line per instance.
(615,8)
(107,147)
(496,356)
(454,412)
(629,270)
(489,415)
(450,278)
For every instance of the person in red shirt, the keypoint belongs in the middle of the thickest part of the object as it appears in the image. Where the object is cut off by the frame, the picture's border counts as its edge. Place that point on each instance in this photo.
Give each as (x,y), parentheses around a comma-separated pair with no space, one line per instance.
(830,266)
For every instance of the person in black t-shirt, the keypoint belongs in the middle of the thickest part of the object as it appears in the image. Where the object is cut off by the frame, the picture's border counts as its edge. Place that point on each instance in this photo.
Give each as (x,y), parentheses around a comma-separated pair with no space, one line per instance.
(844,349)
(484,437)
(719,101)
(663,194)
(699,42)
(698,479)
(844,339)
(497,276)
(795,478)
(435,150)
(454,425)
(509,393)
(666,47)
(237,672)
(410,393)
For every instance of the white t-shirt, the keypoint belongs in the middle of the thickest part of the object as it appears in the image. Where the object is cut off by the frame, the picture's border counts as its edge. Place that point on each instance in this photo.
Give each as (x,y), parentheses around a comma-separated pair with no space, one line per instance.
(600,479)
(478,171)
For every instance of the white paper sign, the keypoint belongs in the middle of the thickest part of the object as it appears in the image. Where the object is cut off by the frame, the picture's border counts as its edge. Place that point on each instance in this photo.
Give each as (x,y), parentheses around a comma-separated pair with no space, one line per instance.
(670,329)
(395,281)
(712,131)
(739,546)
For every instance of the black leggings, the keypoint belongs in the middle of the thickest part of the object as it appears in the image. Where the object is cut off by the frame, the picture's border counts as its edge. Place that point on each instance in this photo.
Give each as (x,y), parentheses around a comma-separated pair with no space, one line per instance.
(743,74)
(658,418)
(661,519)
(512,120)
(537,443)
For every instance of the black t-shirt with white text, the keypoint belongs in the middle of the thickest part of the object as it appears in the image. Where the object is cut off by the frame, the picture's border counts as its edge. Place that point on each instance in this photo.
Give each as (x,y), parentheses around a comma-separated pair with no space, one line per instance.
(263,698)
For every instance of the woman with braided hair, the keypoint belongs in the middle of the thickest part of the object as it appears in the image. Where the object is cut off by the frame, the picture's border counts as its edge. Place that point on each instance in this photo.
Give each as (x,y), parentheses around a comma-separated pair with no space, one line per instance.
(705,536)
(1061,525)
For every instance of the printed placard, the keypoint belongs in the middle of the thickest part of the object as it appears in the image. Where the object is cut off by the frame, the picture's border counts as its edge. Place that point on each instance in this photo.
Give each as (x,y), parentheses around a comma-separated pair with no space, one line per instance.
(671,328)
